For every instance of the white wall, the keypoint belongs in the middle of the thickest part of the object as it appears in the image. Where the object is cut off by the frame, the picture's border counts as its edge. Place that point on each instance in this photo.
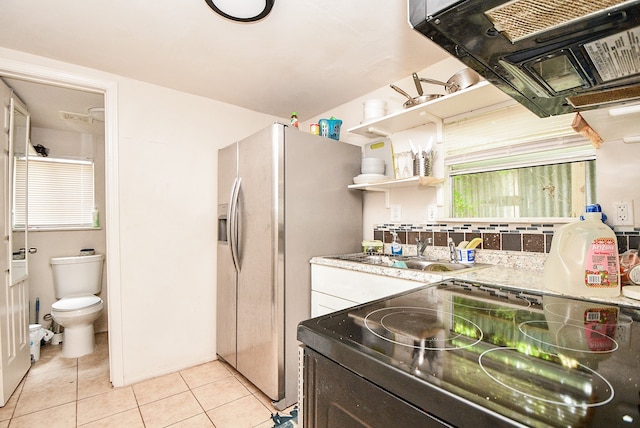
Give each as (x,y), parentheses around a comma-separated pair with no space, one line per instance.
(618,176)
(166,147)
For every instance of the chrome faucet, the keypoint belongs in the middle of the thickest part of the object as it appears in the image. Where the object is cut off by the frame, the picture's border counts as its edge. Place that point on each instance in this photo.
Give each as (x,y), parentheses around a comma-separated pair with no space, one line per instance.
(453,258)
(422,245)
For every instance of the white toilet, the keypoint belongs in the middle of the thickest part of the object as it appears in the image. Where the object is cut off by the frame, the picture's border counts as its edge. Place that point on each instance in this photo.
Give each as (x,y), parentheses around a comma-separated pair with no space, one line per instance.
(76,281)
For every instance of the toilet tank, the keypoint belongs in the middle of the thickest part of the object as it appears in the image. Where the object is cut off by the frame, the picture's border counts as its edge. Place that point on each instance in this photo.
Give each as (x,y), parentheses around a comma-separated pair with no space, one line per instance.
(77,275)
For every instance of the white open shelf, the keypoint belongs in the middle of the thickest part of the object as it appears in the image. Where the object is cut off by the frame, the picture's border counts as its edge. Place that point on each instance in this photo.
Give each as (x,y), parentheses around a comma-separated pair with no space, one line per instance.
(478,96)
(400,182)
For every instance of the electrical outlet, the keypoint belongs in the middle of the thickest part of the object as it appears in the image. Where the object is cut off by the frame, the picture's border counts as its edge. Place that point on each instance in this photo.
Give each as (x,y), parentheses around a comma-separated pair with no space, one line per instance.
(623,213)
(396,212)
(432,212)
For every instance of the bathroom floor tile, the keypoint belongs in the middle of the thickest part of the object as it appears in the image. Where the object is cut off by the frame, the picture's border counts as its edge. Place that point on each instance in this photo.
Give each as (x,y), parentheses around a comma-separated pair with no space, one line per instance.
(88,364)
(170,410)
(90,370)
(246,412)
(63,416)
(51,359)
(6,412)
(38,380)
(106,404)
(161,387)
(204,373)
(90,386)
(48,390)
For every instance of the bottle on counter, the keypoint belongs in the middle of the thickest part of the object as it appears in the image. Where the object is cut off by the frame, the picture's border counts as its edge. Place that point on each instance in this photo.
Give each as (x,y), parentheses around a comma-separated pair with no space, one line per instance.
(396,246)
(95,218)
(294,120)
(583,260)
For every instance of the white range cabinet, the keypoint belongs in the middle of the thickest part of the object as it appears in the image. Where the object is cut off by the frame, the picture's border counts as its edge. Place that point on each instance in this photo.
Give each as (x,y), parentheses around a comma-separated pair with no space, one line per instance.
(333,289)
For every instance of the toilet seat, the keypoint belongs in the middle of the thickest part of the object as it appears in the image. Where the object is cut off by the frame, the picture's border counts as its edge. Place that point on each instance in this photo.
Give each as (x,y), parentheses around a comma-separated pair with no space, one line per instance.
(68,304)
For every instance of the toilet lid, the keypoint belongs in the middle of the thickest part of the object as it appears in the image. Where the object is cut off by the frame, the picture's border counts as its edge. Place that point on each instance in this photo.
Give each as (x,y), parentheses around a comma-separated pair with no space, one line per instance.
(75,303)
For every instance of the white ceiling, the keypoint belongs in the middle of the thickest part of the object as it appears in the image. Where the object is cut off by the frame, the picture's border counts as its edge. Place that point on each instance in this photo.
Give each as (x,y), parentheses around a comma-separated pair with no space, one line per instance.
(307,55)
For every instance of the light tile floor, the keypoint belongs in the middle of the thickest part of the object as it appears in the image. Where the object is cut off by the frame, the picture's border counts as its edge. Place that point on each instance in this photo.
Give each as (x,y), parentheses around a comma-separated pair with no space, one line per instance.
(62,392)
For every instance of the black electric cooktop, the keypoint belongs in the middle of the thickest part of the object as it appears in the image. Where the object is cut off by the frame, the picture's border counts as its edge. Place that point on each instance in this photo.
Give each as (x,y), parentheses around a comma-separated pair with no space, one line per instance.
(473,354)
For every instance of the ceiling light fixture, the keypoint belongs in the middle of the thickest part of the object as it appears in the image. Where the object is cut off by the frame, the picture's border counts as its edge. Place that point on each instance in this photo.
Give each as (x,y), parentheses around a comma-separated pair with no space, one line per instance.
(242,10)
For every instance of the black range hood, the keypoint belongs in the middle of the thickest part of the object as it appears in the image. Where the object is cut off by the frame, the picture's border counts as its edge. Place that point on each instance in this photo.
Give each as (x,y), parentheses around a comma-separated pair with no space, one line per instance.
(552,56)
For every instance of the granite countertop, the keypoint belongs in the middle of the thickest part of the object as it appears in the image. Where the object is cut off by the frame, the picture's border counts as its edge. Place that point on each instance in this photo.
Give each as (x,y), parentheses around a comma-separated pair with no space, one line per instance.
(514,276)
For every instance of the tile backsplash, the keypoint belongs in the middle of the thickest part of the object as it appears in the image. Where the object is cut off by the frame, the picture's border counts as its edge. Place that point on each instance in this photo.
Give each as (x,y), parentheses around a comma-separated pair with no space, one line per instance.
(524,238)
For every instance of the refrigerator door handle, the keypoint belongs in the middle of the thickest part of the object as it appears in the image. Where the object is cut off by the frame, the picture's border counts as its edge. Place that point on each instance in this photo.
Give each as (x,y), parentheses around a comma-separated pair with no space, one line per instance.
(232,223)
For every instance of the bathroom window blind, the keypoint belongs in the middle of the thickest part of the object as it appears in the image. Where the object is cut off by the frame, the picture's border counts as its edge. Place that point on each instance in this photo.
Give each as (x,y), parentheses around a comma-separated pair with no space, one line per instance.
(60,192)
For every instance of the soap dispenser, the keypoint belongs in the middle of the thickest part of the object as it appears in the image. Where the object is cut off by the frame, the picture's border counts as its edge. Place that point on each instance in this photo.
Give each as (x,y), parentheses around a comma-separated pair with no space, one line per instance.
(396,247)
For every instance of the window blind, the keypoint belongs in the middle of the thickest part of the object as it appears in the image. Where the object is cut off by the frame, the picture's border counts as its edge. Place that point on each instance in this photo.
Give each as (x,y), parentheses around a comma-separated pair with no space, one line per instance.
(60,192)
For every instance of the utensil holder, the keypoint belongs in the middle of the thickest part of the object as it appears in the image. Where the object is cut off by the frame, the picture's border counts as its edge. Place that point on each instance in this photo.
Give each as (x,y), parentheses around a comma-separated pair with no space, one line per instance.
(423,164)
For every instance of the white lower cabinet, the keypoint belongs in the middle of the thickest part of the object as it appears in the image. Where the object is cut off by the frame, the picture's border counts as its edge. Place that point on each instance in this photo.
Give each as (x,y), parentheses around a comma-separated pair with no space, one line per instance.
(333,289)
(325,304)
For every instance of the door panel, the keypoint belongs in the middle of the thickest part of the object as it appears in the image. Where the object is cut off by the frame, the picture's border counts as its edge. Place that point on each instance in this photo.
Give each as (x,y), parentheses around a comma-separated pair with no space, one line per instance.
(260,310)
(226,294)
(14,293)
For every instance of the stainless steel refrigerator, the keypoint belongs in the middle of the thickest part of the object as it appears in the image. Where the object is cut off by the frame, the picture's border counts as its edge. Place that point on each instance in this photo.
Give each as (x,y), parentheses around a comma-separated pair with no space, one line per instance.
(282,199)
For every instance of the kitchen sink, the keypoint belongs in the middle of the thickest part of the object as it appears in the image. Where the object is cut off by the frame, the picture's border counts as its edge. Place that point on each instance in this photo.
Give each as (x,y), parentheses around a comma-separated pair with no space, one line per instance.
(408,262)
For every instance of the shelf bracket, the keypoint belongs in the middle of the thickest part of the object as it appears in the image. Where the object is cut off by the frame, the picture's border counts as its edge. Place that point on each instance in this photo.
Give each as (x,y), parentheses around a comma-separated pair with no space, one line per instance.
(387,198)
(437,121)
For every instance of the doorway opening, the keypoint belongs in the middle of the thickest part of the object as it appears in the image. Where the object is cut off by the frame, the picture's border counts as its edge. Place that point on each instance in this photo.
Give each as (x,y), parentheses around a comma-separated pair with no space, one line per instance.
(104,107)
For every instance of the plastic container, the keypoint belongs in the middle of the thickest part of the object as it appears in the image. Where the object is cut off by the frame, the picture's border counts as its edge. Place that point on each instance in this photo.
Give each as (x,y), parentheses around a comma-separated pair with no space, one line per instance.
(36,334)
(95,218)
(330,128)
(374,109)
(583,260)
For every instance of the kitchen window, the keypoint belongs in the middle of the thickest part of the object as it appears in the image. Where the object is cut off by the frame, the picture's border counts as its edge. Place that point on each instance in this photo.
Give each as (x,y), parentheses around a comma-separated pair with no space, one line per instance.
(60,193)
(509,164)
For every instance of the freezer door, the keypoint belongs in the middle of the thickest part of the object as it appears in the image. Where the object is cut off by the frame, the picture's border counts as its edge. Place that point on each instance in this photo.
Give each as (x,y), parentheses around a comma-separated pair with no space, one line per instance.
(260,290)
(226,294)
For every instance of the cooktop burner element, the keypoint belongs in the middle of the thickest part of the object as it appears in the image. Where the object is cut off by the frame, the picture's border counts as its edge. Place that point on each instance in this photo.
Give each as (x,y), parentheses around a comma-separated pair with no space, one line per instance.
(568,337)
(419,328)
(532,360)
(588,388)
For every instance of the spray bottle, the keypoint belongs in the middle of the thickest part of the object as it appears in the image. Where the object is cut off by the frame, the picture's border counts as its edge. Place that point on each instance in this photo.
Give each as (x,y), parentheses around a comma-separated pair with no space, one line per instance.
(396,247)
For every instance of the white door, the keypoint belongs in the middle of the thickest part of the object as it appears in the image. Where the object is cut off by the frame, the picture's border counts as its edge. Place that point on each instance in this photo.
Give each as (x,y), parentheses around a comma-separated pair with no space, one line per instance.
(14,293)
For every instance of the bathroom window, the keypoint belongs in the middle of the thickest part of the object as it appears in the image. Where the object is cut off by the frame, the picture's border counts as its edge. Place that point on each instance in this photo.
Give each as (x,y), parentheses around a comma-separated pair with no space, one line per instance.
(510,164)
(60,192)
